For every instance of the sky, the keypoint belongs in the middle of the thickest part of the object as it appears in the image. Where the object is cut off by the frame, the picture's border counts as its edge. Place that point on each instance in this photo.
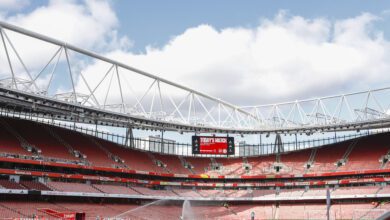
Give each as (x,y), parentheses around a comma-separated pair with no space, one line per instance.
(244,52)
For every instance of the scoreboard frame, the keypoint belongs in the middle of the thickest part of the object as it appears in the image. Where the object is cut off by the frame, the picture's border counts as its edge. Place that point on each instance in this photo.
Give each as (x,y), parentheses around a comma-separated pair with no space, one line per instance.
(215,145)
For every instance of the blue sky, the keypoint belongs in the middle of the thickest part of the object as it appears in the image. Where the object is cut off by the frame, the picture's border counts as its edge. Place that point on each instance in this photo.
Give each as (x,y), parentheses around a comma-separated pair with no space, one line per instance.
(155,22)
(152,22)
(248,45)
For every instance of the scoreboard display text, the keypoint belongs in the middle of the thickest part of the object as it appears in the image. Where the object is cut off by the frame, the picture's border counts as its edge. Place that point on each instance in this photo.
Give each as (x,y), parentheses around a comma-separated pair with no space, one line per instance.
(212,145)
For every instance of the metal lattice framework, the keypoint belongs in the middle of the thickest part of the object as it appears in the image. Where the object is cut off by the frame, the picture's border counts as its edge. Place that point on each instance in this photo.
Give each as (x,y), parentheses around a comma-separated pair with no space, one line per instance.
(45,70)
(349,111)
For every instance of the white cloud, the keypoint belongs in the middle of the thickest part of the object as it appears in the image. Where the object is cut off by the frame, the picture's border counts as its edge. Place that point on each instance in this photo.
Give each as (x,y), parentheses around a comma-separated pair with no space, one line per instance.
(284,58)
(90,24)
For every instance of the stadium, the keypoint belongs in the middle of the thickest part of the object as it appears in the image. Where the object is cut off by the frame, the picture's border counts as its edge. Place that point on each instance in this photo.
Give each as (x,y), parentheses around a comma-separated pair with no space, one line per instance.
(97,151)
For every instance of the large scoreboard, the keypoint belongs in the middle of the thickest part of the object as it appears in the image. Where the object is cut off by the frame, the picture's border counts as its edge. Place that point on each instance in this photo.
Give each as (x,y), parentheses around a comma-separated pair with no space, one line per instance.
(212,145)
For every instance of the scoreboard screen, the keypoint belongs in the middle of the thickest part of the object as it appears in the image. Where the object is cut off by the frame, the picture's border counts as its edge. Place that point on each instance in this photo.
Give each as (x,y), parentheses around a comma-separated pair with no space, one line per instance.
(212,145)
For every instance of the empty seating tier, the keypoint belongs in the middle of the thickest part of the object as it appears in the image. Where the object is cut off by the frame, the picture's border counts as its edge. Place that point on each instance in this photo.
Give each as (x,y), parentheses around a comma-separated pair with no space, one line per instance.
(365,154)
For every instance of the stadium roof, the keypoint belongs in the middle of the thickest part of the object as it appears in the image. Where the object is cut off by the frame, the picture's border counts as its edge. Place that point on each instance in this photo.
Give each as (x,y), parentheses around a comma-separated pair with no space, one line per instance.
(162,104)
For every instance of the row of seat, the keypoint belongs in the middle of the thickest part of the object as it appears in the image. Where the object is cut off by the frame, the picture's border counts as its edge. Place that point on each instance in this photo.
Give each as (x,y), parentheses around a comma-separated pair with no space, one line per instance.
(194,193)
(31,185)
(165,210)
(365,155)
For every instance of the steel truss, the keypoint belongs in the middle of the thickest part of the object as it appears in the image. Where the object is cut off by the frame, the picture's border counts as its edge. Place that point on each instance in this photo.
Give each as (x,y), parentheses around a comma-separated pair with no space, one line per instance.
(161,104)
(351,111)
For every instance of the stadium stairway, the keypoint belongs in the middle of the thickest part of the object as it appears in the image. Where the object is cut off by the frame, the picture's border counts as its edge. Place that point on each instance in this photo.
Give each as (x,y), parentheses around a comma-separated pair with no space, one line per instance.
(29,148)
(95,155)
(310,163)
(362,156)
(76,155)
(186,165)
(115,158)
(133,159)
